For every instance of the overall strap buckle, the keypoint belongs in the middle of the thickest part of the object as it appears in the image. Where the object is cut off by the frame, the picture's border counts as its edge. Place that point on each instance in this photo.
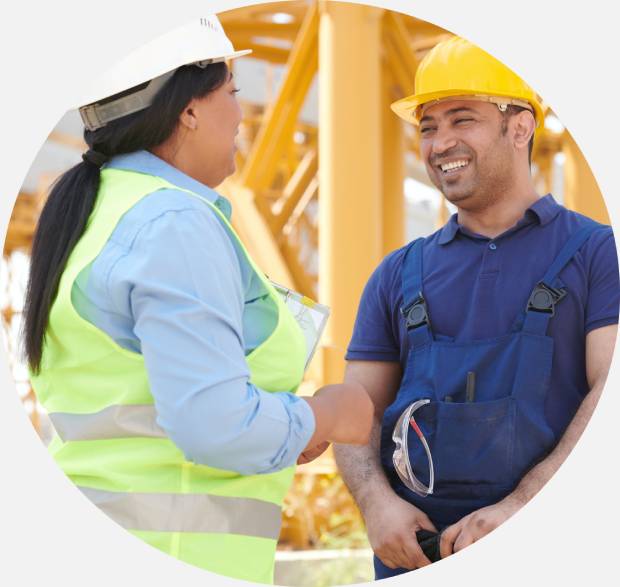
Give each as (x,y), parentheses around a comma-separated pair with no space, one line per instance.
(416,313)
(544,298)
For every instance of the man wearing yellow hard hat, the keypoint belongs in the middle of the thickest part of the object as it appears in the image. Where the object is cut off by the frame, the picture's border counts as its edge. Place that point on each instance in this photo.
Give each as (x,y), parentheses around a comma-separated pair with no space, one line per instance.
(484,346)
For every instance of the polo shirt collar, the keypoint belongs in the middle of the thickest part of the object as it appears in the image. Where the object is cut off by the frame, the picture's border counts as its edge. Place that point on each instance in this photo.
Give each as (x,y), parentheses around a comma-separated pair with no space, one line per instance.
(544,210)
(448,232)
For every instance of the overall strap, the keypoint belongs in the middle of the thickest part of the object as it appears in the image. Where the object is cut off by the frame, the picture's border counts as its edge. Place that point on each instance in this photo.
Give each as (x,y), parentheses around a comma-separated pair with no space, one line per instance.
(414,307)
(546,294)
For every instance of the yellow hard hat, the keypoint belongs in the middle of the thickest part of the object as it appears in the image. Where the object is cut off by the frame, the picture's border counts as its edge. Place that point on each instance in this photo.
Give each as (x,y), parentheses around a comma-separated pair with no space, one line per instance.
(456,68)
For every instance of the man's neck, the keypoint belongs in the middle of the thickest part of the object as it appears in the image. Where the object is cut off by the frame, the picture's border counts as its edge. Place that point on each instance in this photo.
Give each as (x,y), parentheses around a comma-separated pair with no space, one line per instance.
(498,217)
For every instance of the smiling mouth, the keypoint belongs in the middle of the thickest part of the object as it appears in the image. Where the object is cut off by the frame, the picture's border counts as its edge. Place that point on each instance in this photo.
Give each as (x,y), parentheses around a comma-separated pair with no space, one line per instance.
(453,166)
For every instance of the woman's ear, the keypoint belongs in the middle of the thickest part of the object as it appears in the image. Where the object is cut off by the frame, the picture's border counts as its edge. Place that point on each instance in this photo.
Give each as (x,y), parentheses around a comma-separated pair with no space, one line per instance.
(188,117)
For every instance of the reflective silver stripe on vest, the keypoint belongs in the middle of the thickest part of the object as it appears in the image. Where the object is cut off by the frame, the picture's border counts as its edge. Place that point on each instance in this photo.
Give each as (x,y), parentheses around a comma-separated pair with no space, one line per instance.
(112,422)
(189,512)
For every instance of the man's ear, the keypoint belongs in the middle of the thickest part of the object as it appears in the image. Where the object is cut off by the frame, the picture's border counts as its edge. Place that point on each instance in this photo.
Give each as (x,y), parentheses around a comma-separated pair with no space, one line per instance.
(524,126)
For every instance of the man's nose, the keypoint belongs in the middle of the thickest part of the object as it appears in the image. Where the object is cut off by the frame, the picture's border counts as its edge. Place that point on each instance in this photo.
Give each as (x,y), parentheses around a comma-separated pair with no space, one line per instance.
(443,141)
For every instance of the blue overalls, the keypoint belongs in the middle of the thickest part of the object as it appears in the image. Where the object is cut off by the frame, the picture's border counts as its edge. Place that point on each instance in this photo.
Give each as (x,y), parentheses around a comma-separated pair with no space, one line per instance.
(482,448)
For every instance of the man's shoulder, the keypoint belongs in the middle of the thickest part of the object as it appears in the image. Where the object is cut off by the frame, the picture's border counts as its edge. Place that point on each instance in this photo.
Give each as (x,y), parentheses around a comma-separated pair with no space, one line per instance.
(568,222)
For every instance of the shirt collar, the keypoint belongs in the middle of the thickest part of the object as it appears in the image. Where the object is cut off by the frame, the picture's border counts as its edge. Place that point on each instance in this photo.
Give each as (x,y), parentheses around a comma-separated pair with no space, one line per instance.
(448,232)
(544,210)
(146,162)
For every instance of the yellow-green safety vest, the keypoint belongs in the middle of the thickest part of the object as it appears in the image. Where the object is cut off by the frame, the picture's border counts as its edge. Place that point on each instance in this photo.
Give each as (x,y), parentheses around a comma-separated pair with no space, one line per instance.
(108,440)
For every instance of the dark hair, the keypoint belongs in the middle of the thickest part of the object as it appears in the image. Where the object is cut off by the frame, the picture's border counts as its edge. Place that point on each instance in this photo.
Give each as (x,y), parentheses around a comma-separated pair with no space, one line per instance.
(73,195)
(511,110)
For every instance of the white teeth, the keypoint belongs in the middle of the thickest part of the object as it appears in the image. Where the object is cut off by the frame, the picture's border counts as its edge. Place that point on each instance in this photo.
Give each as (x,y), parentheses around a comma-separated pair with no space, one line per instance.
(453,165)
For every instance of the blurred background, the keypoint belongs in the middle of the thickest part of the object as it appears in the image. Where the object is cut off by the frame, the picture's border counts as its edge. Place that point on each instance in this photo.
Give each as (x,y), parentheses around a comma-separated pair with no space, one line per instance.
(328,182)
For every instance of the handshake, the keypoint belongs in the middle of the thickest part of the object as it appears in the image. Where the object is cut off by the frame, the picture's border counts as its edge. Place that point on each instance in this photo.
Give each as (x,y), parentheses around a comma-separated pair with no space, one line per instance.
(343,414)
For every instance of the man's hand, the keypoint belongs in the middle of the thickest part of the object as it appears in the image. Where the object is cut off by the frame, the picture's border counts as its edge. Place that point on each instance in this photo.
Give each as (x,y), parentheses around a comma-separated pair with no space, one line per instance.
(391,524)
(312,453)
(475,526)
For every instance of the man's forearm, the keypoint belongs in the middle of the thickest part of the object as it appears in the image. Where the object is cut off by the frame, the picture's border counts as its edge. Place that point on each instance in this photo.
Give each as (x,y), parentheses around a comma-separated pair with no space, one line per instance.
(360,467)
(537,477)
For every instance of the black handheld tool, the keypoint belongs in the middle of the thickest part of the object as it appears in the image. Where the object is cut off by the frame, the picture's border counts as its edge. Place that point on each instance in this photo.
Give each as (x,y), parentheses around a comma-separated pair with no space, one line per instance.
(429,543)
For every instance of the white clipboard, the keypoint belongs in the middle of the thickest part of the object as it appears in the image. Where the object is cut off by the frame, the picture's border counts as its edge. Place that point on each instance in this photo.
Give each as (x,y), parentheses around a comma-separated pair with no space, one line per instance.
(310,315)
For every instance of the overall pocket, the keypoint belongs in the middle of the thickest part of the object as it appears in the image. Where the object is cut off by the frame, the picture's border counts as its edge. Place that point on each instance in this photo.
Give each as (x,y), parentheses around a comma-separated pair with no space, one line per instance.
(470,443)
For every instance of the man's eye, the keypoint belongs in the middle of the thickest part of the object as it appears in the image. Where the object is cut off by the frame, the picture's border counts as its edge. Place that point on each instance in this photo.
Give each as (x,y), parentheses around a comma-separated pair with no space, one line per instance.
(236,90)
(426,129)
(461,120)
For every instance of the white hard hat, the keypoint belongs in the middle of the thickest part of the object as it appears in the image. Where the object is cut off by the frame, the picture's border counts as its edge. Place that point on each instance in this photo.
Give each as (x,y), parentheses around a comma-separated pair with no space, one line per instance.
(200,43)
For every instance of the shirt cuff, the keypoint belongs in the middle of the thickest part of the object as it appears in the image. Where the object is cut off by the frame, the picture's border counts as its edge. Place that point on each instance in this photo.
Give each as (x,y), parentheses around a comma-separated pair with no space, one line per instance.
(372,355)
(599,323)
(301,428)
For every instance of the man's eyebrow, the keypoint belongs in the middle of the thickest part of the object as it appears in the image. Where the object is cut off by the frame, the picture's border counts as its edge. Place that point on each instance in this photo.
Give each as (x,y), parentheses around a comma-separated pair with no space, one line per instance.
(450,112)
(460,109)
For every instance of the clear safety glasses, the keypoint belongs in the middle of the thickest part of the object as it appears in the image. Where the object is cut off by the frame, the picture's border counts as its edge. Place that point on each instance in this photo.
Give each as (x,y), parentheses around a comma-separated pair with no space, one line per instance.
(401,452)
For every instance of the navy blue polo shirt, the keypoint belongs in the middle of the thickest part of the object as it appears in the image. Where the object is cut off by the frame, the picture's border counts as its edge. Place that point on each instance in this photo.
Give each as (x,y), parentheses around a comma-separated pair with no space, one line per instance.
(476,288)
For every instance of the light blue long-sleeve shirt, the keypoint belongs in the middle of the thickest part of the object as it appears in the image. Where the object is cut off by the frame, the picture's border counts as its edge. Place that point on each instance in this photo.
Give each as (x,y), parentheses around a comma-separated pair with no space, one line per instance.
(171,284)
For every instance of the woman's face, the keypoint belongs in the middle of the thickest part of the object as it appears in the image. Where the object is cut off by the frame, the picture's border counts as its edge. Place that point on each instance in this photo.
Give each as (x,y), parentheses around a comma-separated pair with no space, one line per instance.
(216,119)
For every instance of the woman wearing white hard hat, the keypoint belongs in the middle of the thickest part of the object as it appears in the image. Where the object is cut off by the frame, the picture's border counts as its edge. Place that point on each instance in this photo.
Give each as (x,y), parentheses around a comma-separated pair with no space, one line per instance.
(166,360)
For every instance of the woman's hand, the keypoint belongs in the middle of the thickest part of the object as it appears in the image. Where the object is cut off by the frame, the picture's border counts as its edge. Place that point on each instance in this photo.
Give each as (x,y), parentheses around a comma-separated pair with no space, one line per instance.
(343,413)
(310,454)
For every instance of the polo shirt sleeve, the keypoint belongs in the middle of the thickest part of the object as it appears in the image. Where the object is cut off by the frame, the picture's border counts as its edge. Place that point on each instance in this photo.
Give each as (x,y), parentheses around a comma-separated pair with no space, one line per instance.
(374,338)
(603,285)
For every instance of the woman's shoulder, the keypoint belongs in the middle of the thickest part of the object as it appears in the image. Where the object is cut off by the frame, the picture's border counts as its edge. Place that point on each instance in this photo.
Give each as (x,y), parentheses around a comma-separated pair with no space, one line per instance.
(162,207)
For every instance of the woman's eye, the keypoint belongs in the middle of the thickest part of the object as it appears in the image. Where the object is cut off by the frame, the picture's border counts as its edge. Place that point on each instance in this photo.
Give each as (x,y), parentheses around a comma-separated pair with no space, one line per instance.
(460,120)
(236,90)
(425,130)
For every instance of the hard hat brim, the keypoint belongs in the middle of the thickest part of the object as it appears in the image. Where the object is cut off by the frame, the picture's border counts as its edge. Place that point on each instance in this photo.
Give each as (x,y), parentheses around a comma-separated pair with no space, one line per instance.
(407,108)
(235,55)
(96,115)
(94,98)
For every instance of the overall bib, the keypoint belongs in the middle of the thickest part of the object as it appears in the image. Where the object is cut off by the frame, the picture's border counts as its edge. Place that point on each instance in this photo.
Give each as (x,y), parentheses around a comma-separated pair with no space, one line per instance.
(482,448)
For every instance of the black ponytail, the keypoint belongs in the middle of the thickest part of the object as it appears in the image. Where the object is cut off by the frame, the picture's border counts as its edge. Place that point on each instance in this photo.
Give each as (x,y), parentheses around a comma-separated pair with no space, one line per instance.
(72,197)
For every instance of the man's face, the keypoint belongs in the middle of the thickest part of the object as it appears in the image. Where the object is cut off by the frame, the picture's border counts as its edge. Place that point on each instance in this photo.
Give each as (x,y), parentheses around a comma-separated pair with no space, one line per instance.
(467,154)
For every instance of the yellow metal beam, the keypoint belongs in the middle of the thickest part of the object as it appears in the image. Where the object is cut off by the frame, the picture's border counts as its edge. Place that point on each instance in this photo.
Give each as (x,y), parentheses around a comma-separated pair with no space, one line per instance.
(350,102)
(294,190)
(297,246)
(305,198)
(256,28)
(255,233)
(264,52)
(276,133)
(393,228)
(67,140)
(581,192)
(399,48)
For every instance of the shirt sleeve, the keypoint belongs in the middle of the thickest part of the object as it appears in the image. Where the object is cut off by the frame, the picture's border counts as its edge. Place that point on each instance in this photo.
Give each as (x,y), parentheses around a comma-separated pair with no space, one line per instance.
(603,285)
(373,337)
(184,290)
